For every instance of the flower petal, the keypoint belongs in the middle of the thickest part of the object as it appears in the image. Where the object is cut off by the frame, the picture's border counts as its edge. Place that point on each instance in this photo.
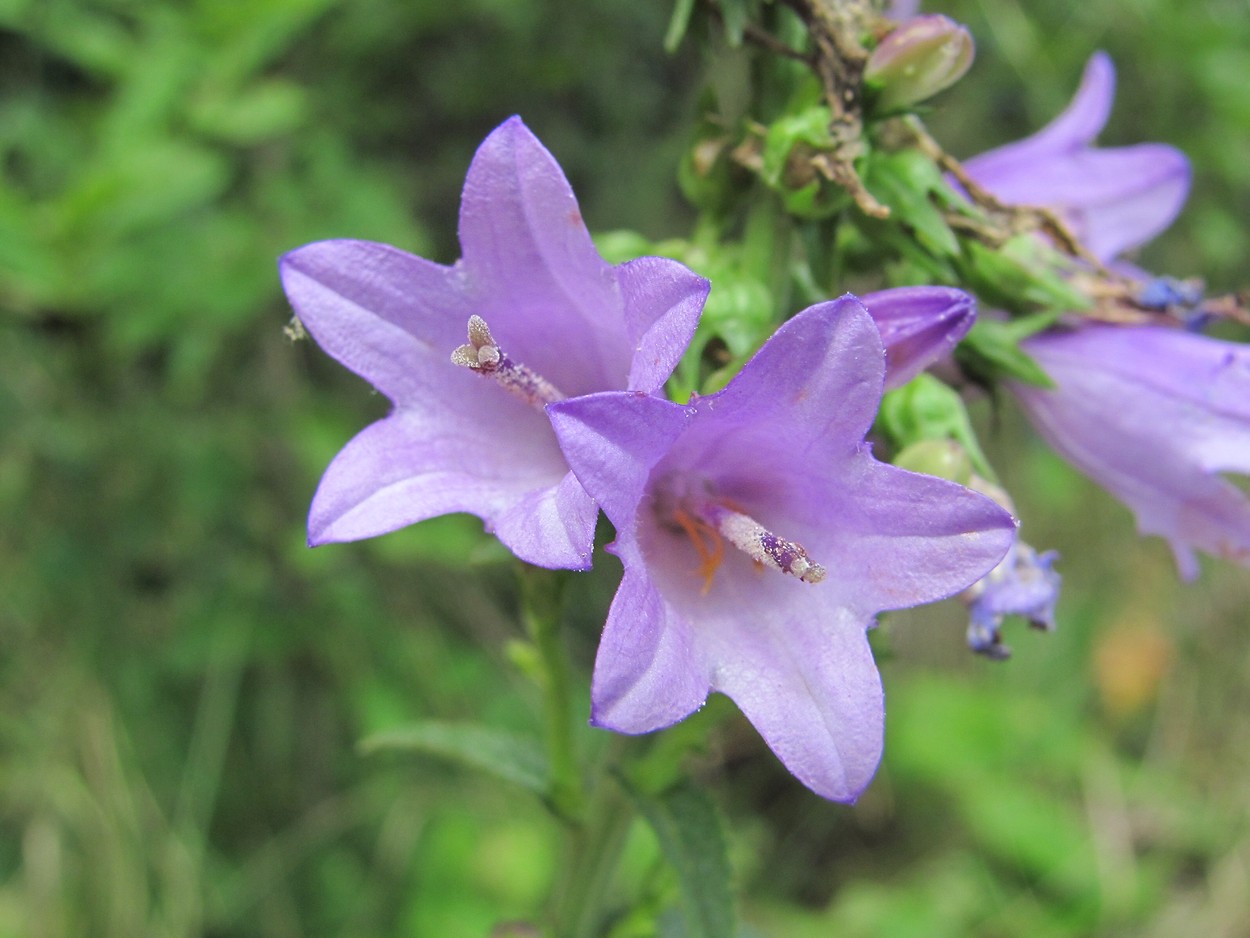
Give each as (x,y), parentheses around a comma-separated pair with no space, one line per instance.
(612,441)
(648,674)
(918,326)
(548,296)
(404,469)
(899,538)
(813,692)
(663,301)
(1116,199)
(1153,415)
(385,314)
(813,388)
(1077,127)
(551,527)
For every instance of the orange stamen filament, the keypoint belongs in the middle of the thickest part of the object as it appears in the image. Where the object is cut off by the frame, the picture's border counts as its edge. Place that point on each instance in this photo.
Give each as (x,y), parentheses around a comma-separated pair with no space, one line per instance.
(708,544)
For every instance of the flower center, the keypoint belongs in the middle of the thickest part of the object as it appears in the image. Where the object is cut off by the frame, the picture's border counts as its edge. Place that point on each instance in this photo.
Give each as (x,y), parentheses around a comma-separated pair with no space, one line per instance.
(483,355)
(709,522)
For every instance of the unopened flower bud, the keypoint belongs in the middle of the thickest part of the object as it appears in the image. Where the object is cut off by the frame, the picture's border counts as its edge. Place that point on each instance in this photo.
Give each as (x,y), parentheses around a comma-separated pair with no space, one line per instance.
(921,57)
(945,459)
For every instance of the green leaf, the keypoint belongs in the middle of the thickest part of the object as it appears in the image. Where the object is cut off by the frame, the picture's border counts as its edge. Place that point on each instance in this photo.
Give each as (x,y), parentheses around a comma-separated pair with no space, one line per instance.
(991,351)
(507,756)
(678,25)
(266,110)
(689,833)
(736,15)
(1023,273)
(904,181)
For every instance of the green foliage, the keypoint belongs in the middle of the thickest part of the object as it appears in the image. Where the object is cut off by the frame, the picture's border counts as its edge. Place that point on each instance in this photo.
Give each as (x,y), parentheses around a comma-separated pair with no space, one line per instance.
(926,409)
(506,756)
(184,683)
(689,832)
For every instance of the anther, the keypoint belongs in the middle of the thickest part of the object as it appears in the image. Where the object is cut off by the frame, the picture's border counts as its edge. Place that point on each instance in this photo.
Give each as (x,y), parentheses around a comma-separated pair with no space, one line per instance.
(483,355)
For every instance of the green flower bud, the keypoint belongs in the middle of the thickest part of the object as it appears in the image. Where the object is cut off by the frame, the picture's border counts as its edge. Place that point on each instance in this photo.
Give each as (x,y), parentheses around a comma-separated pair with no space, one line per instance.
(917,60)
(945,459)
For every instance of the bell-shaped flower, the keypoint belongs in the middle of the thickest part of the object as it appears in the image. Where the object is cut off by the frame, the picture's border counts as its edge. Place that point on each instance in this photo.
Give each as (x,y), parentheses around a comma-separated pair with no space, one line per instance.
(1154,415)
(1114,199)
(546,318)
(759,539)
(919,326)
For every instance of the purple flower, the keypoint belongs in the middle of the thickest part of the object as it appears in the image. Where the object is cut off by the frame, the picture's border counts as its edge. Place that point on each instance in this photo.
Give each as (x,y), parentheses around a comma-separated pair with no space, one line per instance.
(1024,584)
(1114,199)
(546,317)
(1154,415)
(918,326)
(760,537)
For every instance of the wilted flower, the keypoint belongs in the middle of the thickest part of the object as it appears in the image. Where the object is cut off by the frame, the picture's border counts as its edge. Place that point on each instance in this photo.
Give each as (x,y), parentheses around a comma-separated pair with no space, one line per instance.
(759,539)
(918,58)
(1114,199)
(546,317)
(1154,415)
(1023,584)
(918,326)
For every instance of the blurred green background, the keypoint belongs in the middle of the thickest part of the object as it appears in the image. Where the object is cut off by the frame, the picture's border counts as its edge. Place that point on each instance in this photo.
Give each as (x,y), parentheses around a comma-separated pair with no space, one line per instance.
(183,682)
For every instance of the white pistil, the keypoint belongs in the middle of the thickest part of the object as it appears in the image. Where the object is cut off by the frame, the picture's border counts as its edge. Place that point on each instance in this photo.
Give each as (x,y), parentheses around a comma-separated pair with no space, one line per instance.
(761,544)
(483,355)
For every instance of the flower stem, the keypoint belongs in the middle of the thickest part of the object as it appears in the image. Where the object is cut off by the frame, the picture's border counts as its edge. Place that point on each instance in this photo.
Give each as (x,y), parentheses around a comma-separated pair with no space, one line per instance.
(541,592)
(594,850)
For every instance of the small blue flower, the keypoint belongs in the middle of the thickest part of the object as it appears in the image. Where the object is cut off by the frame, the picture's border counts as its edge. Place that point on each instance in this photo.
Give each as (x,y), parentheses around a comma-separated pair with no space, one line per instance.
(1023,584)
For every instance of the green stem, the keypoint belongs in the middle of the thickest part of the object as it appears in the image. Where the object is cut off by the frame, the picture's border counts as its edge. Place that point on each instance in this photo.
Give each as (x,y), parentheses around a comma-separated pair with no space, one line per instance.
(540,607)
(595,849)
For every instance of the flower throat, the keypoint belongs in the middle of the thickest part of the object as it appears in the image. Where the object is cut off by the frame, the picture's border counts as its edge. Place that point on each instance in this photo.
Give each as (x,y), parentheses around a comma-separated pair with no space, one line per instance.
(711,522)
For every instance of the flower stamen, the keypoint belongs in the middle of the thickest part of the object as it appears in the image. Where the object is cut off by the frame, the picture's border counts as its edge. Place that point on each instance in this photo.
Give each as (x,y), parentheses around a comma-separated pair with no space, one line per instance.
(710,521)
(707,541)
(762,545)
(483,355)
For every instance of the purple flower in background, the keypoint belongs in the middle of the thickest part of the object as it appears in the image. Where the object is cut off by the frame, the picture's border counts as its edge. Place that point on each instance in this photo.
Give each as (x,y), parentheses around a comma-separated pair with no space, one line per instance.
(1023,584)
(1114,199)
(546,317)
(918,326)
(1154,415)
(760,537)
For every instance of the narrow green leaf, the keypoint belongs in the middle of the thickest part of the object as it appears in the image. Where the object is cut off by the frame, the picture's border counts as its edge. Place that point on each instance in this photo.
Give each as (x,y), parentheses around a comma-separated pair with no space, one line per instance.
(678,25)
(507,756)
(904,181)
(1019,275)
(991,349)
(689,832)
(736,15)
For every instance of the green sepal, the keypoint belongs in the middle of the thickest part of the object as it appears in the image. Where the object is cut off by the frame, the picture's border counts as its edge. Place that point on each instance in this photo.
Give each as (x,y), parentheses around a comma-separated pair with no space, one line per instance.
(907,181)
(927,409)
(507,756)
(1022,274)
(991,351)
